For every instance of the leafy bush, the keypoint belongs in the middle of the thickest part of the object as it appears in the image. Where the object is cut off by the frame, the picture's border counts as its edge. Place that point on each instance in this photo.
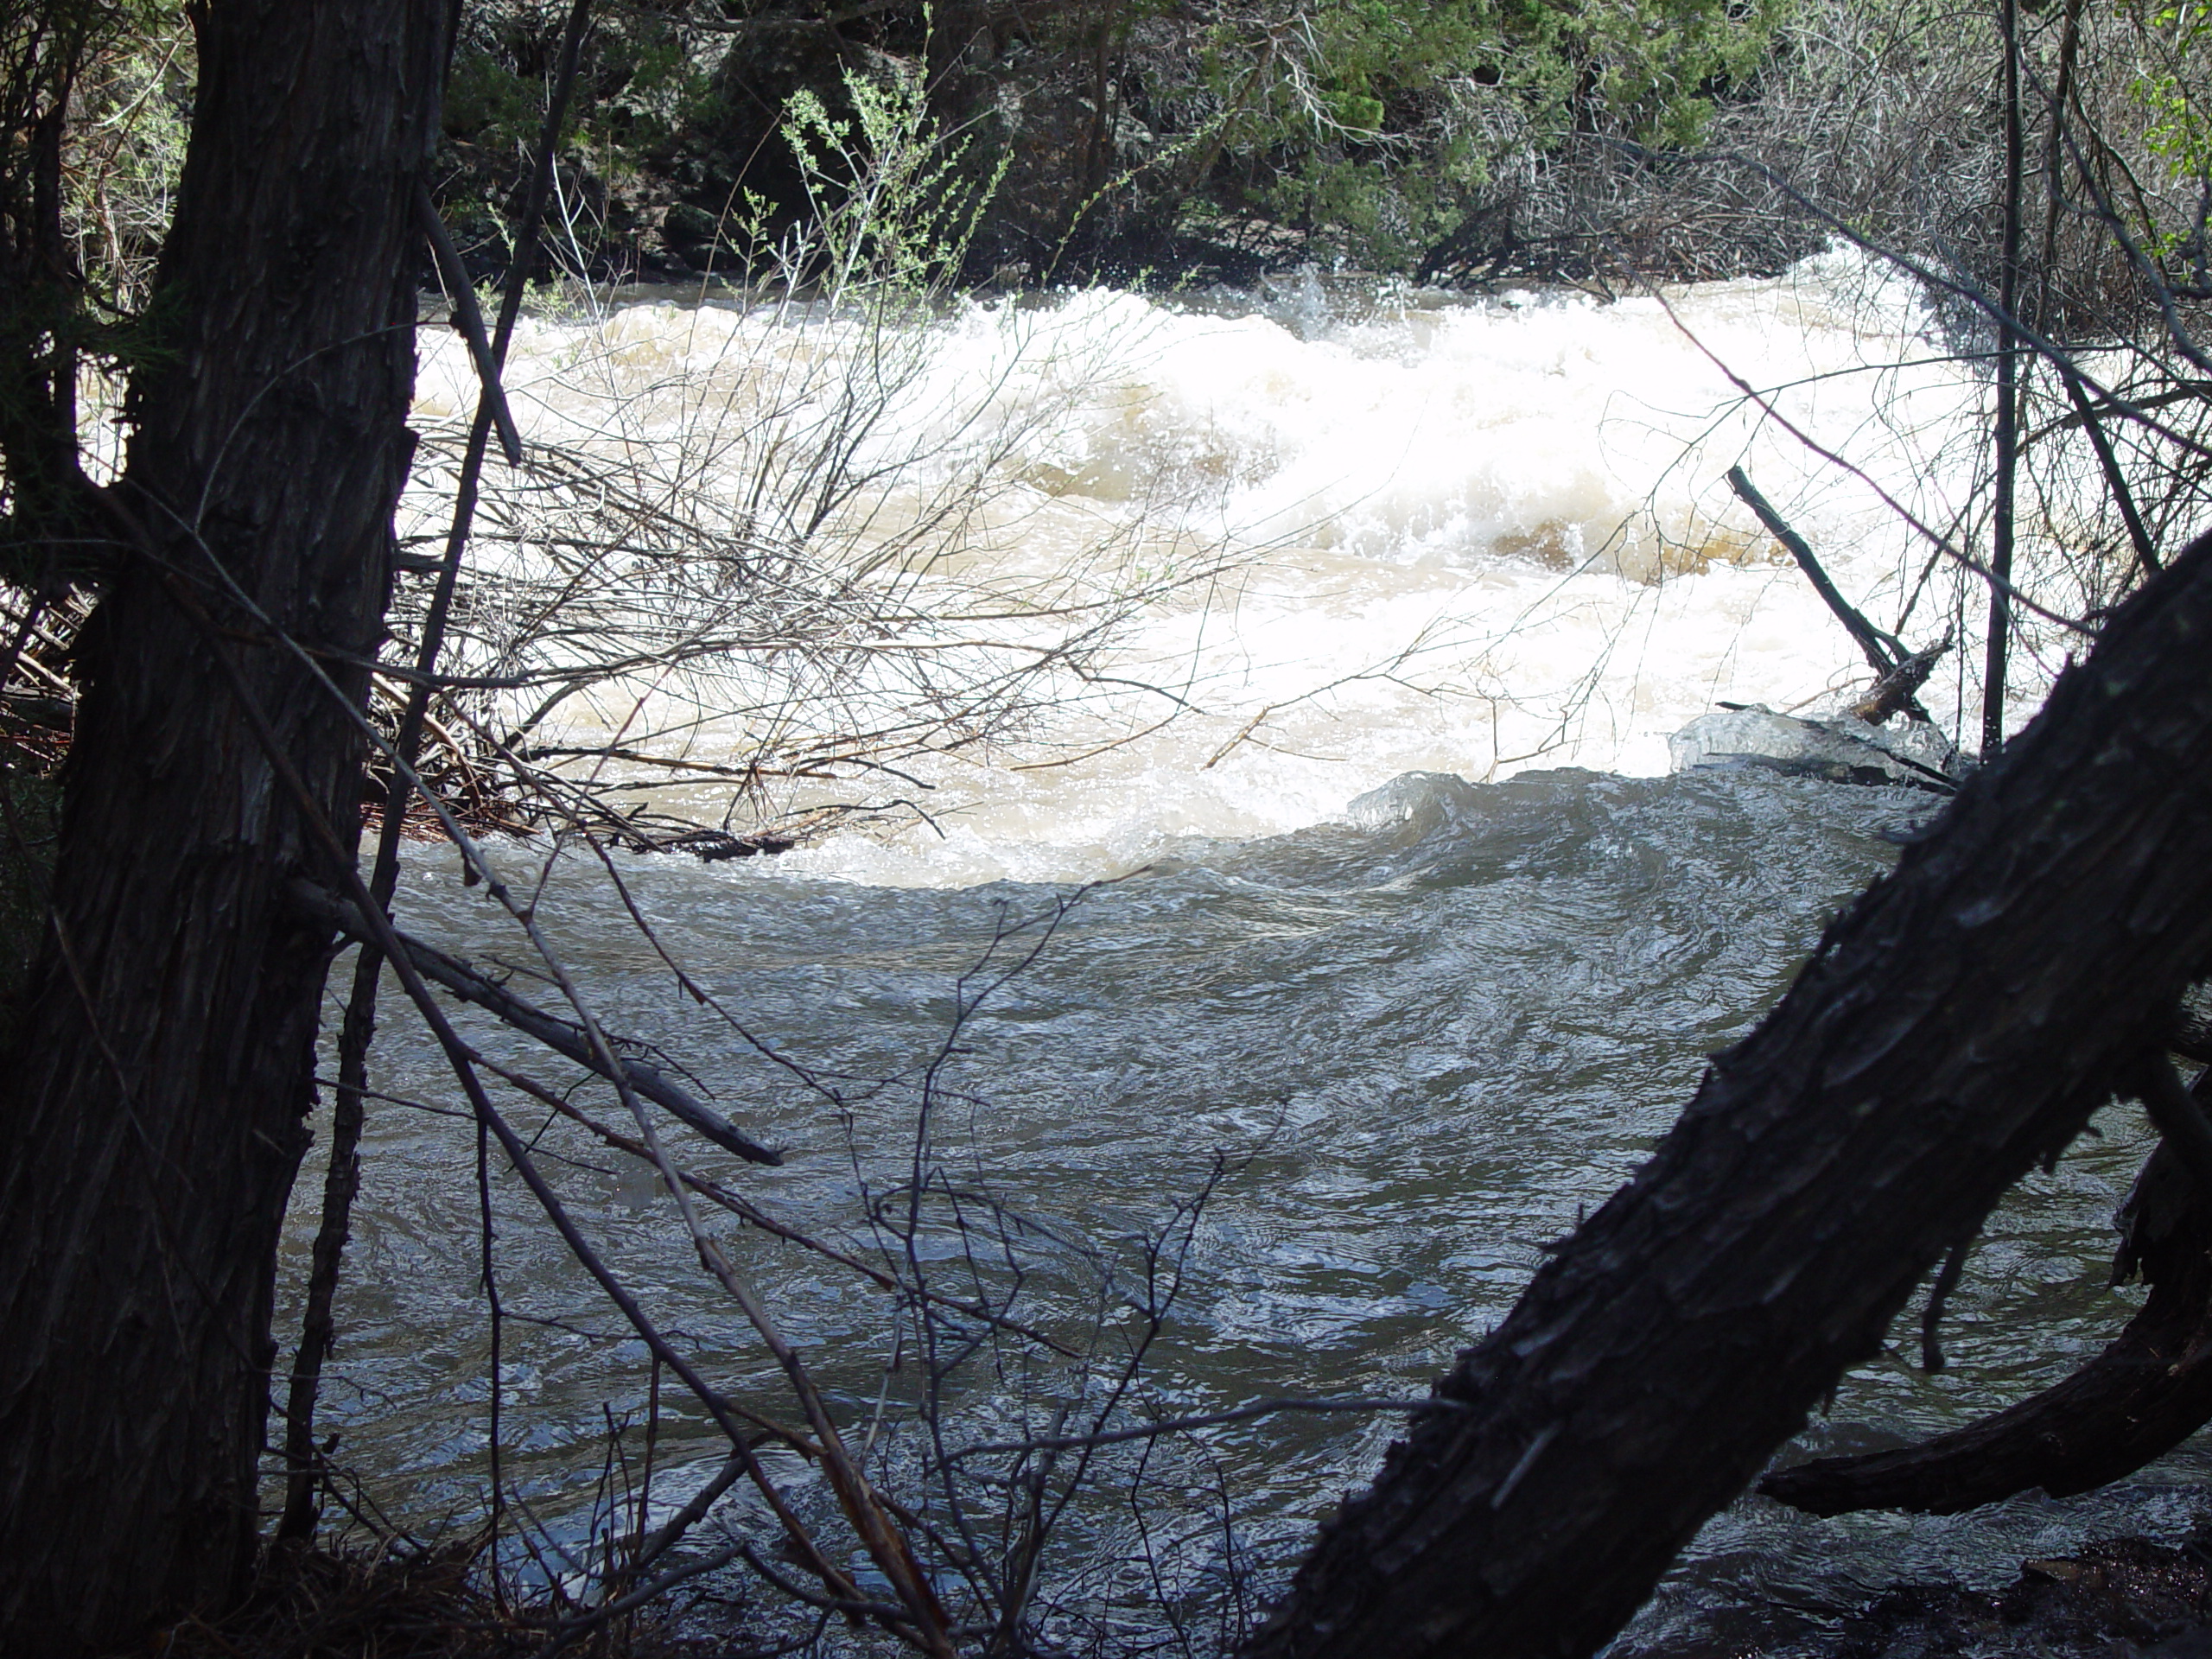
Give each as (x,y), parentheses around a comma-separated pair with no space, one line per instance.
(1378,126)
(131,110)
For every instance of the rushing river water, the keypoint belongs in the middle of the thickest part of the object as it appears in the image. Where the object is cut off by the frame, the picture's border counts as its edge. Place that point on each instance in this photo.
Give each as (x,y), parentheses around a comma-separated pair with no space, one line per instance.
(1403,987)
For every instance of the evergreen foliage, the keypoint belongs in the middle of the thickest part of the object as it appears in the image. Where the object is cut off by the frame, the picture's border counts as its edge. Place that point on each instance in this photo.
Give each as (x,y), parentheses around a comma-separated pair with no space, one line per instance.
(1368,129)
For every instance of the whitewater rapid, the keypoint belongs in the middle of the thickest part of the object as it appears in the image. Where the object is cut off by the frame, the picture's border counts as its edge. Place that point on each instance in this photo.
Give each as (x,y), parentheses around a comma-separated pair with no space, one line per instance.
(1465,537)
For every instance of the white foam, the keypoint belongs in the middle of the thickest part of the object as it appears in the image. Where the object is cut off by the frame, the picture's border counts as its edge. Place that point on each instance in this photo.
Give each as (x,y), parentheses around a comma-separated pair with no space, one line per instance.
(1482,537)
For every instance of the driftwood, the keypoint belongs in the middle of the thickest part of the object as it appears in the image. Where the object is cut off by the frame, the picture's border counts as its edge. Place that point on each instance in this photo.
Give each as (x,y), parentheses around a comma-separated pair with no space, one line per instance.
(1900,673)
(1884,650)
(564,1037)
(1897,690)
(2144,1394)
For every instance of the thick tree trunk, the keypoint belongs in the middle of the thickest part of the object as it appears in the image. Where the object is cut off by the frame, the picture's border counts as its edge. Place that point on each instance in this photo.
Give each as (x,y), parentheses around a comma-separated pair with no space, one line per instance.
(1959,1023)
(152,1120)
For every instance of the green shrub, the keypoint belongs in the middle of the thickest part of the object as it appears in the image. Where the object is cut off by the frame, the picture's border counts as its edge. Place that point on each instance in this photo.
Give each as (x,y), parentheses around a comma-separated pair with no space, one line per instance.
(1377,126)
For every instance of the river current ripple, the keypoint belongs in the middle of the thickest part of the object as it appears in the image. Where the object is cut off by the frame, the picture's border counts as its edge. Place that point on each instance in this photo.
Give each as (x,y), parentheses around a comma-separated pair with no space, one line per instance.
(1419,1040)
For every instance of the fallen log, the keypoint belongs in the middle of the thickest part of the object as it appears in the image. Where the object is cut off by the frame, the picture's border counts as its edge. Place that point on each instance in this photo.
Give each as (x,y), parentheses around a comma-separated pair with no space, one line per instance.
(2147,1392)
(1956,1026)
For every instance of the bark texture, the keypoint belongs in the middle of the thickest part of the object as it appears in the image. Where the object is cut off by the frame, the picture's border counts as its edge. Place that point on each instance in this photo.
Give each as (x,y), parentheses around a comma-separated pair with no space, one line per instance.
(2144,1396)
(152,1121)
(1958,1023)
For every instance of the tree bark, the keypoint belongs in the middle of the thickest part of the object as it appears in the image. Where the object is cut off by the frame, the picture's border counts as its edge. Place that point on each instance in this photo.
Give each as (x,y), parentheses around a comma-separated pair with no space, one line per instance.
(1958,1024)
(152,1119)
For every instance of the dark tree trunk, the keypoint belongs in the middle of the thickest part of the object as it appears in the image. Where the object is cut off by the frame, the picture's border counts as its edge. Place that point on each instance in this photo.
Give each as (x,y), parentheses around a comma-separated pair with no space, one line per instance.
(960,35)
(152,1120)
(1958,1024)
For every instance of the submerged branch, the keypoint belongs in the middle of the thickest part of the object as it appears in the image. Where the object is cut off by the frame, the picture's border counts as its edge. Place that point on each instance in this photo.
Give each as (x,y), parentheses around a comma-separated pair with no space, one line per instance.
(2148,1391)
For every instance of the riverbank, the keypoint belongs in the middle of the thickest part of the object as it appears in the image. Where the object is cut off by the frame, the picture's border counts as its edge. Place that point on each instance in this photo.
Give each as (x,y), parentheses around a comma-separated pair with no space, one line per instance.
(1481,148)
(2120,1596)
(2124,1598)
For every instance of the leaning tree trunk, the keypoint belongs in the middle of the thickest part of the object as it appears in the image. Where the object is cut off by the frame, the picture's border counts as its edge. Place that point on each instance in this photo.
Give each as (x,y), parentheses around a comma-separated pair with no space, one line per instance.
(152,1119)
(1959,1023)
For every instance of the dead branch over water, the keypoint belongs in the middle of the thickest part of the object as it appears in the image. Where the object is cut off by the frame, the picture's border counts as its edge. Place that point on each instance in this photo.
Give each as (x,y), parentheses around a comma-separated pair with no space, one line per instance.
(740,607)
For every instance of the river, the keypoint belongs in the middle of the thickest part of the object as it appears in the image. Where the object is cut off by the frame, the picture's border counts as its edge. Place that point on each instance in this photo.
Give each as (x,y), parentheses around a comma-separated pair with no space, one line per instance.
(1324,1006)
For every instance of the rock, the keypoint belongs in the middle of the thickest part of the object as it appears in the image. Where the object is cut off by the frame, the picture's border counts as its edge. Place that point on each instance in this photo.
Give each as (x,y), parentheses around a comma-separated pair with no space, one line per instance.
(1417,804)
(1844,750)
(694,235)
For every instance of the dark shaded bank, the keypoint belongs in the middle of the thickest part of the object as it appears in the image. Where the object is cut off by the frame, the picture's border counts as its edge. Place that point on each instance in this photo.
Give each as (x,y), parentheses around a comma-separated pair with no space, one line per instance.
(2118,1597)
(382,1598)
(1468,146)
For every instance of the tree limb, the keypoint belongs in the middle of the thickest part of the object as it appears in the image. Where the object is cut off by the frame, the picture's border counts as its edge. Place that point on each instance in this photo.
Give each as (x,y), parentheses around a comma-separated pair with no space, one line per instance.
(564,1037)
(2151,1389)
